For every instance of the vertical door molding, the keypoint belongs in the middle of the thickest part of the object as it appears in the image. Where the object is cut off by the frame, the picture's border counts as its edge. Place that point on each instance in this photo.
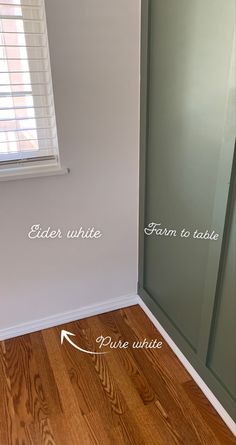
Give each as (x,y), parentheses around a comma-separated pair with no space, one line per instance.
(144,64)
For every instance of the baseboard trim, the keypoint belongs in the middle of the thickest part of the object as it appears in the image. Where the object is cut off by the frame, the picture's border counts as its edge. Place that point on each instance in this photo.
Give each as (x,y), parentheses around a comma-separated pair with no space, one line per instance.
(66,317)
(196,377)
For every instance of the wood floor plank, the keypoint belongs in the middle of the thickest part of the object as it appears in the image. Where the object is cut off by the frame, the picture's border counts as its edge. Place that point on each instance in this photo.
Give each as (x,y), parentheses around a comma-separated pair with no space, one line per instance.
(137,319)
(128,389)
(206,411)
(154,426)
(109,327)
(119,392)
(62,431)
(8,429)
(86,378)
(41,433)
(46,373)
(26,386)
(181,415)
(128,431)
(98,430)
(71,409)
(53,394)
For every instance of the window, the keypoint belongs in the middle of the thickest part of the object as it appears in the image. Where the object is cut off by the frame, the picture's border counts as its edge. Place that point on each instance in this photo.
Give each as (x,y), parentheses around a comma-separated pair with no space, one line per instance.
(28,134)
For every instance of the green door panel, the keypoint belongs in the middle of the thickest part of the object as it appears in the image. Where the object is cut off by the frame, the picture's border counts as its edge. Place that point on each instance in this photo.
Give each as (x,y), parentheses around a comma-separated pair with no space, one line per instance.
(190,49)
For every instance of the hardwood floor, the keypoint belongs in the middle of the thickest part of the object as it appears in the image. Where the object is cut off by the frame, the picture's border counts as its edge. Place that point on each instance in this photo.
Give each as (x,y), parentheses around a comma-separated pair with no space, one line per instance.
(53,394)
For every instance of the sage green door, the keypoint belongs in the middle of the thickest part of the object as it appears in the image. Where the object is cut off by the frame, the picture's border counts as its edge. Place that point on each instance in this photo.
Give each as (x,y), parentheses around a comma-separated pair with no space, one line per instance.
(222,348)
(186,171)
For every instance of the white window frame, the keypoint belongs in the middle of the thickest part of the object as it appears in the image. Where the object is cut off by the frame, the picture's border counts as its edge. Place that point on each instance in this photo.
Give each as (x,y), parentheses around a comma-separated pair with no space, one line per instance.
(32,165)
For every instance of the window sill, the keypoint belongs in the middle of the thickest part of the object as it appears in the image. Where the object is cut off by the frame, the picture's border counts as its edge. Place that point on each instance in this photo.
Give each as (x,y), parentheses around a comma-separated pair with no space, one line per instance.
(12,174)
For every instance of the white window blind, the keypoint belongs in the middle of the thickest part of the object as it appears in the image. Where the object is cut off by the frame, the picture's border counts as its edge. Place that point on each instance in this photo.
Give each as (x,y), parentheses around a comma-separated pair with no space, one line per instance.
(27,119)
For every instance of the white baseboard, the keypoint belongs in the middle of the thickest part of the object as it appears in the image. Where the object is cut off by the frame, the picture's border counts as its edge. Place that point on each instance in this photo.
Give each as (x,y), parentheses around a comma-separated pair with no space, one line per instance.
(196,377)
(66,317)
(111,305)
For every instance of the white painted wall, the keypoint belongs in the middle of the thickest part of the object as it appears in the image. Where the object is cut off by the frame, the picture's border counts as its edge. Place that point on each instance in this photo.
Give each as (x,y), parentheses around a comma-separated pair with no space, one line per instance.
(95,66)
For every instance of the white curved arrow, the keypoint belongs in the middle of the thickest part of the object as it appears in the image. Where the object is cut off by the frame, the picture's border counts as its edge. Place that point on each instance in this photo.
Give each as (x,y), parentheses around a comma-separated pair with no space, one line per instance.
(66,335)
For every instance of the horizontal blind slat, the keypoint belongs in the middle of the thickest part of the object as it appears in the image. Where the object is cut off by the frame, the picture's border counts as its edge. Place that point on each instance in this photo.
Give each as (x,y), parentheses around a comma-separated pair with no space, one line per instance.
(23,53)
(48,139)
(18,39)
(25,119)
(25,26)
(13,12)
(27,135)
(22,113)
(22,161)
(23,85)
(21,102)
(25,78)
(41,89)
(32,3)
